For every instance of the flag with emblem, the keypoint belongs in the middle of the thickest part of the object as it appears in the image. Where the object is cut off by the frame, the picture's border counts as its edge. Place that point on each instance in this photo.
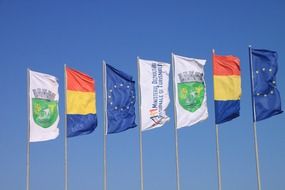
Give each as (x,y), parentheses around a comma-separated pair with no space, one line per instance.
(265,93)
(80,103)
(227,87)
(120,99)
(154,80)
(190,90)
(43,99)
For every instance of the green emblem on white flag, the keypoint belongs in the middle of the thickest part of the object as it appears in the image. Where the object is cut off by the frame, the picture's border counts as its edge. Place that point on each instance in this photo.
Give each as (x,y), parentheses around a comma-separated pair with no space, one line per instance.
(45,112)
(191,95)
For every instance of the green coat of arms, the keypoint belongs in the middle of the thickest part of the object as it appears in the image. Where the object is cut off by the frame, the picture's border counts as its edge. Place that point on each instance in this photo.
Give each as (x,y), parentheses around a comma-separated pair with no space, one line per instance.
(191,95)
(45,112)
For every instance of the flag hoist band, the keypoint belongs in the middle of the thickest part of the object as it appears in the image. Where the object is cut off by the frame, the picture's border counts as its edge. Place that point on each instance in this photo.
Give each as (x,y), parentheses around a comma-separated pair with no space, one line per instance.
(227,92)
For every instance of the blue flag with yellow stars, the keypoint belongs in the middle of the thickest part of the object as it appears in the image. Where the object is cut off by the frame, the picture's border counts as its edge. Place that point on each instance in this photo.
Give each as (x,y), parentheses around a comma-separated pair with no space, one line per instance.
(121,99)
(265,93)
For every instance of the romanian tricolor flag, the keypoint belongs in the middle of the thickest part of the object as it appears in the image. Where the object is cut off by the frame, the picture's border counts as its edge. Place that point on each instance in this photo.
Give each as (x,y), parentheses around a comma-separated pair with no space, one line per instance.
(80,103)
(227,87)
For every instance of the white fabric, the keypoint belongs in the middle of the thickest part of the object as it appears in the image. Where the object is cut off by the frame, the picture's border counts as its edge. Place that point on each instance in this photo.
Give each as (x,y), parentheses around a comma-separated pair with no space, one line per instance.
(181,65)
(154,82)
(47,83)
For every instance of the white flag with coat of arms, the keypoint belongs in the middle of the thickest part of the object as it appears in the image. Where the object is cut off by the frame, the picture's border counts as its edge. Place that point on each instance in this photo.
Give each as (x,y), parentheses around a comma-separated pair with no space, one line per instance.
(190,91)
(43,98)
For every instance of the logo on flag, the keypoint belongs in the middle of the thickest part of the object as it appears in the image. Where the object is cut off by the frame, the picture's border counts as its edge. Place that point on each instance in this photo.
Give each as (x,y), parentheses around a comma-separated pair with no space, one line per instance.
(44,112)
(44,107)
(191,95)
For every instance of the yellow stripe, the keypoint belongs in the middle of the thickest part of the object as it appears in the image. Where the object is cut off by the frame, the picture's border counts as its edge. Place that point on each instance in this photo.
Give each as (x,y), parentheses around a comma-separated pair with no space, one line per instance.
(227,87)
(80,102)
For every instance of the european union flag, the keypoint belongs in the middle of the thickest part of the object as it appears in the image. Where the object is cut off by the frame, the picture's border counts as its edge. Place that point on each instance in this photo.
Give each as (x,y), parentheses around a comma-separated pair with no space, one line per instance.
(265,92)
(121,99)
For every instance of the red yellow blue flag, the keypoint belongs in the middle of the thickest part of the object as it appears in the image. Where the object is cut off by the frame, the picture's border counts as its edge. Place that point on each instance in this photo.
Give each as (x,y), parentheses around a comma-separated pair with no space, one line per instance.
(227,87)
(80,103)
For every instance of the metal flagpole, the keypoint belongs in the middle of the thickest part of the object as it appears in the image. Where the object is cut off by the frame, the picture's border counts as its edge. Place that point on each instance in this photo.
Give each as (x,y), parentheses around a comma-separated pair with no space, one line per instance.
(65,135)
(175,126)
(105,125)
(218,146)
(140,129)
(28,133)
(254,120)
(218,158)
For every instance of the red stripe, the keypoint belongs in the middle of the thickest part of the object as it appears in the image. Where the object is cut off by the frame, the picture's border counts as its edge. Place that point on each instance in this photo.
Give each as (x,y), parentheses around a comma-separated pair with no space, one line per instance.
(78,81)
(226,65)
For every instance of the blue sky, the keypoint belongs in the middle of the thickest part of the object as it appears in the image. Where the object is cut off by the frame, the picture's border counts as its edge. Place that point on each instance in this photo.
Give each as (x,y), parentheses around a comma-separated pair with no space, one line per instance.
(45,35)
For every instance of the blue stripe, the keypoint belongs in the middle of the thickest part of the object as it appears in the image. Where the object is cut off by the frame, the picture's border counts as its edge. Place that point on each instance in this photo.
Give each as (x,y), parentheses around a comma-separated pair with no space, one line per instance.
(80,124)
(226,110)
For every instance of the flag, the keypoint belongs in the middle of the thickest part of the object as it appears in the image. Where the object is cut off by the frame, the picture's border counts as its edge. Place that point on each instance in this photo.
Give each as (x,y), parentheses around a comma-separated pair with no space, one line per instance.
(121,98)
(227,87)
(154,80)
(80,103)
(265,93)
(190,86)
(43,99)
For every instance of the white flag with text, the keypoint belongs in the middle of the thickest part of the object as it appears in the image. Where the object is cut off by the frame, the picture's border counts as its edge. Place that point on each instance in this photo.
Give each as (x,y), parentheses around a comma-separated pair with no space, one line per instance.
(154,82)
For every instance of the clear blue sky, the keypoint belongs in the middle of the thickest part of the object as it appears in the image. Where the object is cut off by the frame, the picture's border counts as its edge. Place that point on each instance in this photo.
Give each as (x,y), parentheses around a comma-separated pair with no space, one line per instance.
(45,35)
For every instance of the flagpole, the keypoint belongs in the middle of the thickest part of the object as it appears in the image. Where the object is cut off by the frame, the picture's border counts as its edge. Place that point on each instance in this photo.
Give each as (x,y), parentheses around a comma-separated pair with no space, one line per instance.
(105,125)
(175,127)
(65,135)
(217,144)
(140,128)
(218,158)
(28,133)
(254,120)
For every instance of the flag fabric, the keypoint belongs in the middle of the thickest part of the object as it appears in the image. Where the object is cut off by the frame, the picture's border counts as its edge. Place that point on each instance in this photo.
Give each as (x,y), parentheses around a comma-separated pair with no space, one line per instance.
(265,93)
(154,81)
(227,87)
(80,103)
(190,87)
(43,98)
(120,100)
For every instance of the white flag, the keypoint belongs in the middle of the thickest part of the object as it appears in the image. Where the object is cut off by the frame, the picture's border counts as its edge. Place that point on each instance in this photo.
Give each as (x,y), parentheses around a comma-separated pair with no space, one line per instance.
(154,82)
(190,90)
(44,115)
